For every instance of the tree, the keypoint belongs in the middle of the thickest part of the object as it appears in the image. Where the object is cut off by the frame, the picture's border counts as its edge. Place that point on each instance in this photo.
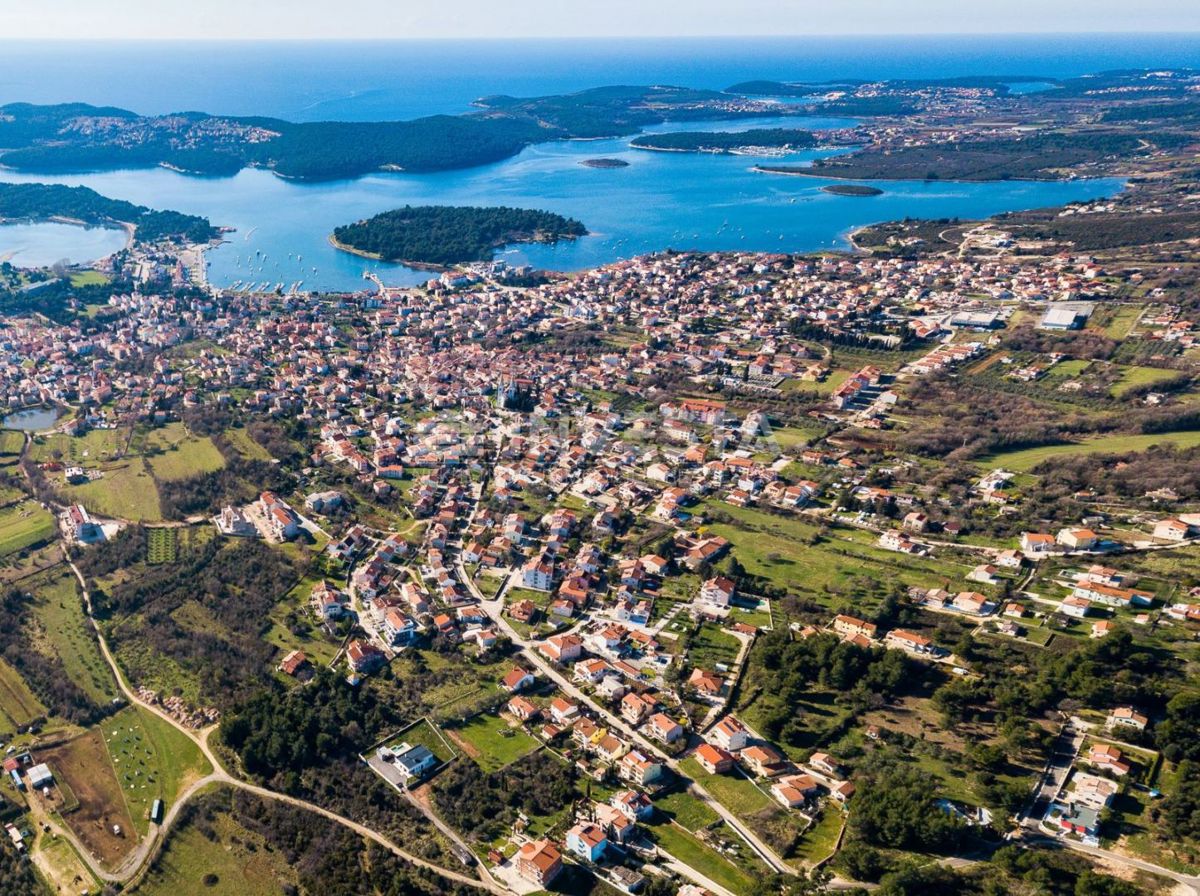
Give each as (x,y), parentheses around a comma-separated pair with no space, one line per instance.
(862,862)
(895,808)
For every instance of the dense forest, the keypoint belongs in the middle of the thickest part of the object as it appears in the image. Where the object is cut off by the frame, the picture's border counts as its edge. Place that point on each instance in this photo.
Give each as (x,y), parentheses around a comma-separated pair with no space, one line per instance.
(448,234)
(726,141)
(40,201)
(278,734)
(485,804)
(864,675)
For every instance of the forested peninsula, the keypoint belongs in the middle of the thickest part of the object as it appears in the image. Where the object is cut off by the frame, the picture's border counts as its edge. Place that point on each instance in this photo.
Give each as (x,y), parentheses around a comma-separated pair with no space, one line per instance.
(726,141)
(41,202)
(76,137)
(439,235)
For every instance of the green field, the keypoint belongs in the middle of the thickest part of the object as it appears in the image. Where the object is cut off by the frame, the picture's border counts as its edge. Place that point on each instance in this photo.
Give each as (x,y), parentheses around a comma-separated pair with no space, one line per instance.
(22,525)
(1135,377)
(738,794)
(1063,371)
(246,446)
(231,862)
(66,633)
(820,840)
(162,546)
(152,760)
(824,387)
(794,438)
(684,809)
(174,453)
(88,278)
(710,646)
(1028,458)
(11,442)
(490,741)
(776,548)
(688,849)
(18,705)
(125,491)
(1122,321)
(88,449)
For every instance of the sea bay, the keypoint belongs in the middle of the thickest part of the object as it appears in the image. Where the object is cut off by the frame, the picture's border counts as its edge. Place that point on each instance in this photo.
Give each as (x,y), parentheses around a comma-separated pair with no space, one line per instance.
(661,200)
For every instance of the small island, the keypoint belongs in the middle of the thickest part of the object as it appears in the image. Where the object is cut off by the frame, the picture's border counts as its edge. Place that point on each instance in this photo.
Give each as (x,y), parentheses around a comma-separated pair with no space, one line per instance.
(760,141)
(851,190)
(604,163)
(440,235)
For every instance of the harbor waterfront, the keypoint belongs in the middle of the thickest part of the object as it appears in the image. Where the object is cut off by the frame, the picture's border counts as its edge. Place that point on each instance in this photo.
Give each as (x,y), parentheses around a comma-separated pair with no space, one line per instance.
(683,201)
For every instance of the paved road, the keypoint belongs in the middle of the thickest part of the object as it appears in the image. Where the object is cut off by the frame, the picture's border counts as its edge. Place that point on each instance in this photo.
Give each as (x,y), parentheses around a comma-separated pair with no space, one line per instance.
(494,608)
(1054,776)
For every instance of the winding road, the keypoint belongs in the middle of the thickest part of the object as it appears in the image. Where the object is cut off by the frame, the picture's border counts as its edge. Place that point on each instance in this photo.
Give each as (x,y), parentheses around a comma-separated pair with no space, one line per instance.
(137,862)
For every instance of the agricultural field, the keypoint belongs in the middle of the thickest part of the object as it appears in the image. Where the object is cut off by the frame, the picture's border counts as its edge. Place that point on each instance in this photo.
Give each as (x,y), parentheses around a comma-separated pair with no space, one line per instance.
(152,760)
(22,525)
(84,766)
(231,862)
(491,742)
(162,546)
(18,704)
(1026,459)
(65,631)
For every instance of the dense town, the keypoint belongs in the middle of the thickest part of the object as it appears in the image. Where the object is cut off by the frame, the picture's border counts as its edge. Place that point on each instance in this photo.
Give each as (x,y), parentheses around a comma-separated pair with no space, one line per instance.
(660,530)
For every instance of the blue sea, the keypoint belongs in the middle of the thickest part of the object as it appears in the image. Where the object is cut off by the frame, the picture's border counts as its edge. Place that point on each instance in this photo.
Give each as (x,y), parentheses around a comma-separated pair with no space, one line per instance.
(661,200)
